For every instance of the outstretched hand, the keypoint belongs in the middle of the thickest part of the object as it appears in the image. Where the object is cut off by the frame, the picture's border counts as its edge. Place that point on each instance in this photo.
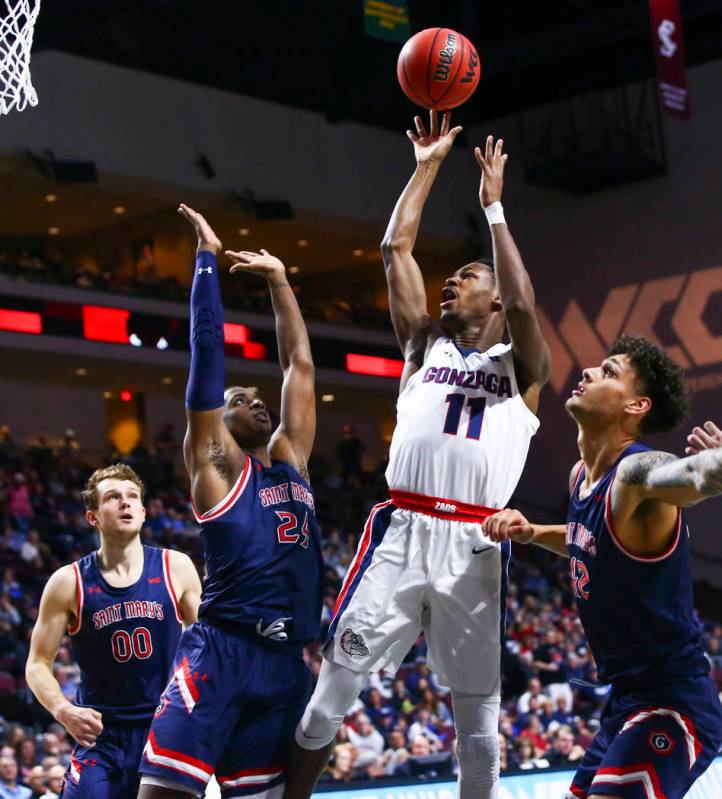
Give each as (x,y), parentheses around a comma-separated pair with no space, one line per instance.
(492,163)
(507,525)
(434,144)
(707,437)
(257,263)
(207,239)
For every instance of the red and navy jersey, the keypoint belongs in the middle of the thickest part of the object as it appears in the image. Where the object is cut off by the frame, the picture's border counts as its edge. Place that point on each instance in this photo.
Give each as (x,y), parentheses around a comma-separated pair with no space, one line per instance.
(637,612)
(125,638)
(262,546)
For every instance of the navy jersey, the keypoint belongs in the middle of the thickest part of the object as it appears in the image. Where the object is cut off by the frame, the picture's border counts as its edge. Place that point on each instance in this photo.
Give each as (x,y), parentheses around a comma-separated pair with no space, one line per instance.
(262,549)
(637,612)
(125,638)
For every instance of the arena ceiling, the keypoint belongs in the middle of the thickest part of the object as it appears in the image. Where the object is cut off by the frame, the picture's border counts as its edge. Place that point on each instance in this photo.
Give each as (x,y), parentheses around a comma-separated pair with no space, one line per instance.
(315,54)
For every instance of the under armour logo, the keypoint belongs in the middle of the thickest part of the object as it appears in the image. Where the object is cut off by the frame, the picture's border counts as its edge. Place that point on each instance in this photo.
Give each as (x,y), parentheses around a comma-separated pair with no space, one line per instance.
(276,630)
(665,31)
(202,269)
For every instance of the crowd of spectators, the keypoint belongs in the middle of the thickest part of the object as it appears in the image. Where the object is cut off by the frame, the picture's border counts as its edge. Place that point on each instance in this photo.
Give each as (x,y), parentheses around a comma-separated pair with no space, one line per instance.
(401,726)
(240,293)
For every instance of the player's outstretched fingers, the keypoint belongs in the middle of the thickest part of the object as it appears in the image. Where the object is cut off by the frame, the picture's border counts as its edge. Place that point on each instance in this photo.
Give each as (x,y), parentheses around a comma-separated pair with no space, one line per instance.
(489,154)
(480,158)
(445,122)
(420,128)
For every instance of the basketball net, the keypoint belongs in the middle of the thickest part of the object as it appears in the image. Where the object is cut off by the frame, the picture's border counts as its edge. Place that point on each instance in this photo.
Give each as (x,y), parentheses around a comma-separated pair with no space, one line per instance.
(17,23)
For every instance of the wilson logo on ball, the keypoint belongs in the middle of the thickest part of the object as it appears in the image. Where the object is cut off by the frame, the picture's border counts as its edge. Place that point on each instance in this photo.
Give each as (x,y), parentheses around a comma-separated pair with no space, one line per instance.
(438,68)
(445,58)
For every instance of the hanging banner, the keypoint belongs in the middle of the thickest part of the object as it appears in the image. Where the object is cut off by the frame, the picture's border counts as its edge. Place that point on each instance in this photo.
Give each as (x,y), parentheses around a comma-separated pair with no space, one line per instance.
(669,52)
(387,19)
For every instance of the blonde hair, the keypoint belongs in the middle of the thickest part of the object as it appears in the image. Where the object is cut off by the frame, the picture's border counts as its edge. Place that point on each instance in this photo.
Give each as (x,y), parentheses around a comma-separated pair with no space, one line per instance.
(118,471)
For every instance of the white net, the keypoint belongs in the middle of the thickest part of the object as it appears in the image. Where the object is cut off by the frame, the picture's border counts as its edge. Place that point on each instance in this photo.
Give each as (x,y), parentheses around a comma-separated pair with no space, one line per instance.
(17,23)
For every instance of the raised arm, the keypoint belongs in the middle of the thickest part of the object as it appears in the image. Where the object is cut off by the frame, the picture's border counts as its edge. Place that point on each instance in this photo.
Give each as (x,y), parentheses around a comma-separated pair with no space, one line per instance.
(649,489)
(213,458)
(407,294)
(531,353)
(293,440)
(666,478)
(57,610)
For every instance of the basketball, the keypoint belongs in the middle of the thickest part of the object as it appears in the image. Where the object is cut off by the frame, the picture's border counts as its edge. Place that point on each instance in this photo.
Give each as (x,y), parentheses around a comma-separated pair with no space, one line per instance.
(438,68)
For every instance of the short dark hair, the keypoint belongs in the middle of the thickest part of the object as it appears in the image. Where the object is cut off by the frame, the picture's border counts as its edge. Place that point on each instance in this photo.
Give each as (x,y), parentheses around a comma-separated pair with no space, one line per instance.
(488,263)
(660,378)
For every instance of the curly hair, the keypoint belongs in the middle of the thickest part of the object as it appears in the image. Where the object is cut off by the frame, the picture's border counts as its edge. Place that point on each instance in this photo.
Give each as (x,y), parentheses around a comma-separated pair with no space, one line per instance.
(660,378)
(118,471)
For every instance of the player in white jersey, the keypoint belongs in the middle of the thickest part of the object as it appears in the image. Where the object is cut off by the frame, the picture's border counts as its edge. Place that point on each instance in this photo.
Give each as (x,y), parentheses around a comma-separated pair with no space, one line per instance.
(466,414)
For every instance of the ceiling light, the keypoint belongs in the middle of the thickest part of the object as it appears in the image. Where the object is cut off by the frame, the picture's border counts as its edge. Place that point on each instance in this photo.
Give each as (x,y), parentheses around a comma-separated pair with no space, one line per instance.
(134,340)
(327,398)
(244,231)
(166,380)
(51,198)
(162,343)
(53,231)
(358,253)
(294,270)
(81,371)
(302,243)
(107,394)
(119,209)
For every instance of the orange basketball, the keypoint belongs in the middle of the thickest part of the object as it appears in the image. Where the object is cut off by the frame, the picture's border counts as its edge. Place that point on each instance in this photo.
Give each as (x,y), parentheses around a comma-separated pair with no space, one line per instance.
(438,68)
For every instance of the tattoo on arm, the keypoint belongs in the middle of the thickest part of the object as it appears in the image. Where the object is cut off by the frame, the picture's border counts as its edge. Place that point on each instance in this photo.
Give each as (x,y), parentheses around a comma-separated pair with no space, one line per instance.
(703,471)
(217,456)
(636,470)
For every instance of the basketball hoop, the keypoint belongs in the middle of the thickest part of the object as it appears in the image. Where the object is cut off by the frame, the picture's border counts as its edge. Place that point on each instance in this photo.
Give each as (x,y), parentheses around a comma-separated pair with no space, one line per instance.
(17,23)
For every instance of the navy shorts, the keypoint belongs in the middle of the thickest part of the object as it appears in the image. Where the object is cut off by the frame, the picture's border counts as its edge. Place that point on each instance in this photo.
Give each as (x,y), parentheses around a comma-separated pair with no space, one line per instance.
(230,709)
(109,770)
(652,743)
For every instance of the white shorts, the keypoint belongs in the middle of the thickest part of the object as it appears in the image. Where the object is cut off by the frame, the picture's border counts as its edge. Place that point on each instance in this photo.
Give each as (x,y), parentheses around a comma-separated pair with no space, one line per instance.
(415,572)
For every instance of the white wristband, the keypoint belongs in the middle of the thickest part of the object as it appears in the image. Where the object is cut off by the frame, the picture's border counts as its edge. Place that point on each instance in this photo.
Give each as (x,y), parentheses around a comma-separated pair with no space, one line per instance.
(495,214)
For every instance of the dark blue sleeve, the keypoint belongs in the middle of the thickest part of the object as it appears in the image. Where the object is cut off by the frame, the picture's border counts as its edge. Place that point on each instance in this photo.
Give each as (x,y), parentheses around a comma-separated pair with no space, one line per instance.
(205,381)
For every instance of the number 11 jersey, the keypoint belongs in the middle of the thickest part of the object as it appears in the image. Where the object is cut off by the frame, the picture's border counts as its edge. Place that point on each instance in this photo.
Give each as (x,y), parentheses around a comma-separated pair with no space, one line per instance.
(463,429)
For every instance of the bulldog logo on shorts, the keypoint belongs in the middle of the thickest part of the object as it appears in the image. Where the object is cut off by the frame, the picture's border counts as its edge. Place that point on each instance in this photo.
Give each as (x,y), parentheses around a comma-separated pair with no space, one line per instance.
(661,743)
(352,643)
(164,702)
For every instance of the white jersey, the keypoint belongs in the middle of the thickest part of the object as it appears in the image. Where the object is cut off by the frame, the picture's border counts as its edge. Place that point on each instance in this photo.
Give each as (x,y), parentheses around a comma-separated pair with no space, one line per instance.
(462,428)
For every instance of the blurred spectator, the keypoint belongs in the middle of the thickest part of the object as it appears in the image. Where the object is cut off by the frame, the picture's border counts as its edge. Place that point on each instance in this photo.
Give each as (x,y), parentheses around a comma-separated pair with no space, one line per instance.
(55,782)
(396,754)
(9,787)
(525,757)
(367,740)
(533,732)
(37,782)
(563,751)
(341,765)
(534,690)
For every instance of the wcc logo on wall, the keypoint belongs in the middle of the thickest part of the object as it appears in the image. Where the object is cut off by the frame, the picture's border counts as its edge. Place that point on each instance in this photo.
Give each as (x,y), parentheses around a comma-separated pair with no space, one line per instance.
(682,312)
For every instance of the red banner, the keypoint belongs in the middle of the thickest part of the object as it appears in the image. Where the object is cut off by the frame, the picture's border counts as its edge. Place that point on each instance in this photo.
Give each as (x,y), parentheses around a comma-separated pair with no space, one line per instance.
(669,51)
